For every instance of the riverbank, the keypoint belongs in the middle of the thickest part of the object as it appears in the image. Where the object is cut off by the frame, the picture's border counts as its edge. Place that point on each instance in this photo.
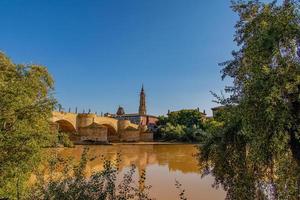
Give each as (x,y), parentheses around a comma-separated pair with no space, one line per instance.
(133,143)
(150,143)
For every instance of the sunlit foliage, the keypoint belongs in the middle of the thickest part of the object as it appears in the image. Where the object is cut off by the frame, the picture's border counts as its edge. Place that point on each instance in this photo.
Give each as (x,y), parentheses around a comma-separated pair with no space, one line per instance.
(183,125)
(256,152)
(25,109)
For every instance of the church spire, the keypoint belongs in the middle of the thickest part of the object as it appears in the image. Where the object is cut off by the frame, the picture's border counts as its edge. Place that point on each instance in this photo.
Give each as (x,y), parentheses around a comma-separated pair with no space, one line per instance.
(142,108)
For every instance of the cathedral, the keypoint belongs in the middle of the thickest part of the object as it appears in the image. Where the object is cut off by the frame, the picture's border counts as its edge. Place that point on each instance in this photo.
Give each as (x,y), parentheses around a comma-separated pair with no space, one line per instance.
(140,118)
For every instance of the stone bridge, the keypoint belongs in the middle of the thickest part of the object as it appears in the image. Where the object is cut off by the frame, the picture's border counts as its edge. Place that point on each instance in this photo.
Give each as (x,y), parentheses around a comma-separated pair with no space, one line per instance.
(89,127)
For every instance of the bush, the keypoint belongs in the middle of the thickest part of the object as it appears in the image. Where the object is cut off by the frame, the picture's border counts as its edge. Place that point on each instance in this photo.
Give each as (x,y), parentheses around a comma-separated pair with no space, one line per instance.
(61,140)
(64,140)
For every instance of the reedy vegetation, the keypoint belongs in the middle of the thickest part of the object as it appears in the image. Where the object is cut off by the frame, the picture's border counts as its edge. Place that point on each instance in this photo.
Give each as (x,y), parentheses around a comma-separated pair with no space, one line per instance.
(101,185)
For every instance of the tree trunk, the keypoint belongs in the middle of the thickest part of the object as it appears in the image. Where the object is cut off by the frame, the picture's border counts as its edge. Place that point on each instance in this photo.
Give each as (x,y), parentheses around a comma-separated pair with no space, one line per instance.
(295,147)
(294,140)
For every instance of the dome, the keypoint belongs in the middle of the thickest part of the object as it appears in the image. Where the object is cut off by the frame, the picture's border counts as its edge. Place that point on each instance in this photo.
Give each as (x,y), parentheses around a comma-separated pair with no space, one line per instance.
(120,111)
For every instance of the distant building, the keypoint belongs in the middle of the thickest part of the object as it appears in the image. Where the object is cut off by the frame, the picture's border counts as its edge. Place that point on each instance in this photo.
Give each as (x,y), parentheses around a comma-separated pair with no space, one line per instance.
(216,110)
(140,118)
(120,111)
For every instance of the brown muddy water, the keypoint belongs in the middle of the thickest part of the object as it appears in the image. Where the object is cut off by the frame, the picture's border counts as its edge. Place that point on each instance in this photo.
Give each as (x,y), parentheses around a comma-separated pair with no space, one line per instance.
(163,165)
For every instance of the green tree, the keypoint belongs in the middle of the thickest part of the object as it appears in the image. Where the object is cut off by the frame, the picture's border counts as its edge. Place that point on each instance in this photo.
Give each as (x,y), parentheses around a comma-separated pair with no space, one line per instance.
(265,138)
(172,132)
(266,74)
(25,109)
(183,125)
(223,154)
(187,118)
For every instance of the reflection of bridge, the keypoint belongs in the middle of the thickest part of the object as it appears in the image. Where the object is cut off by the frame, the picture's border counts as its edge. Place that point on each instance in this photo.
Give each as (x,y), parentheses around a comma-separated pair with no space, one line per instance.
(90,127)
(174,157)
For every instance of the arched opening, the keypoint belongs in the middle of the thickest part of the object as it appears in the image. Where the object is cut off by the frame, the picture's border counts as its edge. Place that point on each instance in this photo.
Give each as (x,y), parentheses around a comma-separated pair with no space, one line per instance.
(65,126)
(112,135)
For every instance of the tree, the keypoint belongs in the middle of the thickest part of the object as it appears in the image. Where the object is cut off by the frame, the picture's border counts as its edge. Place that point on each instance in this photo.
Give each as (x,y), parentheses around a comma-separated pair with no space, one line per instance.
(266,72)
(25,109)
(266,99)
(183,125)
(223,154)
(187,118)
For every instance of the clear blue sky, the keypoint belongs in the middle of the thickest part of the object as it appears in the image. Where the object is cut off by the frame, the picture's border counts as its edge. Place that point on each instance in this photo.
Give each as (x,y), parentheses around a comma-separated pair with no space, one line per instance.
(100,52)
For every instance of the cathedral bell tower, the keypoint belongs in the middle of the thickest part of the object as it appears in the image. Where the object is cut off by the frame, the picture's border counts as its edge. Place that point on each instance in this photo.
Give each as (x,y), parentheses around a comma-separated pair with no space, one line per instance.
(142,107)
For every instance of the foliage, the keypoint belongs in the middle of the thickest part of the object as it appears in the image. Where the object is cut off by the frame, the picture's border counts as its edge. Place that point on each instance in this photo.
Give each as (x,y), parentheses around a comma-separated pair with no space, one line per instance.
(172,132)
(181,191)
(62,140)
(258,146)
(187,118)
(73,184)
(223,154)
(183,125)
(25,108)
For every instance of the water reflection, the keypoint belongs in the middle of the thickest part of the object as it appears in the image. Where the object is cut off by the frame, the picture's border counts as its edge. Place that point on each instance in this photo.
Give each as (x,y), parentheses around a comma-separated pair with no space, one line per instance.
(162,163)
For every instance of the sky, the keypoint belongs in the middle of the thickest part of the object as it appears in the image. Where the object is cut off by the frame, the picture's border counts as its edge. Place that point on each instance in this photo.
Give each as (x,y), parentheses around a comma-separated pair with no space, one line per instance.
(100,52)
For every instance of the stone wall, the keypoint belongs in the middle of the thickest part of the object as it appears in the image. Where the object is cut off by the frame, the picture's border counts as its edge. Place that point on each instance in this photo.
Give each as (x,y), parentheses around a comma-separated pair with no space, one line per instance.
(93,132)
(146,137)
(130,135)
(113,138)
(75,138)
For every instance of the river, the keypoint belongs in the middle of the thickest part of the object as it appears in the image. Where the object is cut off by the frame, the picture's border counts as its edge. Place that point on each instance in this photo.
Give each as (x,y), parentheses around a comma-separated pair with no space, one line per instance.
(163,165)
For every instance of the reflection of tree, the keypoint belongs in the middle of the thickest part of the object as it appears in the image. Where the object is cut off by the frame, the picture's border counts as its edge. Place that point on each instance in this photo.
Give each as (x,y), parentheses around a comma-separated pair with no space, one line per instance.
(224,156)
(177,157)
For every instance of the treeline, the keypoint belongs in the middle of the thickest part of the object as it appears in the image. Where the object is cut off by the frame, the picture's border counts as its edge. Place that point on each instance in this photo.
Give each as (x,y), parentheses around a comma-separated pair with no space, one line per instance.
(182,126)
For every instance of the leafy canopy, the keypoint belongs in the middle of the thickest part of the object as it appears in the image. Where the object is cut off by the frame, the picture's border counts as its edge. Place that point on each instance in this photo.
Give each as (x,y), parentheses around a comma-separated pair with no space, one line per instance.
(258,145)
(25,109)
(183,125)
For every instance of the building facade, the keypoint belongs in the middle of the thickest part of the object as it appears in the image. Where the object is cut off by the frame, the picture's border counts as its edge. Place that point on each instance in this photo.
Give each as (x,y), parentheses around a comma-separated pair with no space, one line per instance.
(140,118)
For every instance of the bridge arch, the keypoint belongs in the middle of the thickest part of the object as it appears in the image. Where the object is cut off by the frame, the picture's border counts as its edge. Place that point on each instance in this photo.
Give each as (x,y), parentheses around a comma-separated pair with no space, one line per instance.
(65,119)
(112,134)
(65,126)
(108,122)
